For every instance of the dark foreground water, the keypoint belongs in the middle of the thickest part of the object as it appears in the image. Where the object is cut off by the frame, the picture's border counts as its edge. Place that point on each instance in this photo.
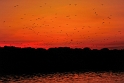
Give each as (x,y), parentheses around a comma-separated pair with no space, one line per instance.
(89,77)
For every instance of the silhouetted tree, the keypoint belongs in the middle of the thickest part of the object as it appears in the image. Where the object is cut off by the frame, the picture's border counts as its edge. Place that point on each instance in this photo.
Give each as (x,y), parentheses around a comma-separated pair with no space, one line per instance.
(104,49)
(86,49)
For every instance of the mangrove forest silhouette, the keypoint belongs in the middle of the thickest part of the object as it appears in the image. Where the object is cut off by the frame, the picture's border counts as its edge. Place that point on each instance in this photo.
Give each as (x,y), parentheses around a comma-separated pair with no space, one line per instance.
(16,60)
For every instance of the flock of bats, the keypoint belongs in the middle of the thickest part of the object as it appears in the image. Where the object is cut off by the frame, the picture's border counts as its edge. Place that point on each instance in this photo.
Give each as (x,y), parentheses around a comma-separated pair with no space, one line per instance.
(68,40)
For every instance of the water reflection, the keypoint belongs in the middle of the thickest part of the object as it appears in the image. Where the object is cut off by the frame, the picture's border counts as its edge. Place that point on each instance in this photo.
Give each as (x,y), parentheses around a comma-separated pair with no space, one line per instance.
(89,77)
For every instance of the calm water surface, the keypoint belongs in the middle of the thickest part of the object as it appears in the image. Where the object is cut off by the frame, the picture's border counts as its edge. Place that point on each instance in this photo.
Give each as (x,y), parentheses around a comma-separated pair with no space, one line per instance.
(107,77)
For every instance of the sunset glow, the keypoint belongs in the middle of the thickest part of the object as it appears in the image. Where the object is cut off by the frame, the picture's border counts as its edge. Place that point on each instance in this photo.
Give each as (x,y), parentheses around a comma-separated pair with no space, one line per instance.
(62,23)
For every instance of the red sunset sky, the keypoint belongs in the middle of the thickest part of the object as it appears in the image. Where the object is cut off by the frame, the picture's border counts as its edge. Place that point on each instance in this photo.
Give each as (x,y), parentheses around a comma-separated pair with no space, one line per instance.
(62,23)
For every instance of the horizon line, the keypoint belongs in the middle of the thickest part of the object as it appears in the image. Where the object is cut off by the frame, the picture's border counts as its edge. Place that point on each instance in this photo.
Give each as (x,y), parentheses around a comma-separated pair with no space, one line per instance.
(114,48)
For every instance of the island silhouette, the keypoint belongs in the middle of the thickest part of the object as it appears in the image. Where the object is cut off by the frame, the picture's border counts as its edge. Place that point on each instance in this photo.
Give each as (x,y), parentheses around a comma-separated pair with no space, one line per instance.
(17,60)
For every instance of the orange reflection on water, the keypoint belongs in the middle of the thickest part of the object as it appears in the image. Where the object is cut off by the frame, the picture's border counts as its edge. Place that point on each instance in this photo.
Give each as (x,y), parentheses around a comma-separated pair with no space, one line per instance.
(88,77)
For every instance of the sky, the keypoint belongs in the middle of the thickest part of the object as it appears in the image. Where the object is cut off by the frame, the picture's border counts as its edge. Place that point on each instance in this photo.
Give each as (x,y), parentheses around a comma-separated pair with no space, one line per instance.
(62,23)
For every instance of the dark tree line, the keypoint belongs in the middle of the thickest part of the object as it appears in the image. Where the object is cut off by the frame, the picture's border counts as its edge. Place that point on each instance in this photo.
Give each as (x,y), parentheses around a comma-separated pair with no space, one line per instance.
(15,60)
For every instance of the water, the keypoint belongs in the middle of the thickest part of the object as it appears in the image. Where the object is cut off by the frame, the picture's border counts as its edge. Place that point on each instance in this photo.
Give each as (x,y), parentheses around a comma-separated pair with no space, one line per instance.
(89,77)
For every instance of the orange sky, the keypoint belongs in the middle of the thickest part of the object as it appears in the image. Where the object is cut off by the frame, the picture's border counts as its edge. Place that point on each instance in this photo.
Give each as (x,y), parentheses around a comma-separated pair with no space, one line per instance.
(56,23)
